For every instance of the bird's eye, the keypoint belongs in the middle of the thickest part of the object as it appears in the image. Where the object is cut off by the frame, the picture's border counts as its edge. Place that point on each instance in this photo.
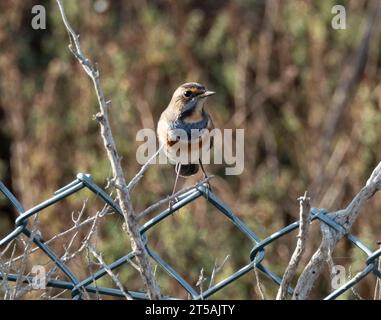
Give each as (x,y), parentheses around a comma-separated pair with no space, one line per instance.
(187,93)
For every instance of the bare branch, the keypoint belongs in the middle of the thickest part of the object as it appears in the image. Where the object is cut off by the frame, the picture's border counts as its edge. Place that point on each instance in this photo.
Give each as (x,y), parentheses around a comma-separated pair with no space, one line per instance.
(259,285)
(26,253)
(304,218)
(109,272)
(77,225)
(345,217)
(123,193)
(135,180)
(216,269)
(200,281)
(377,287)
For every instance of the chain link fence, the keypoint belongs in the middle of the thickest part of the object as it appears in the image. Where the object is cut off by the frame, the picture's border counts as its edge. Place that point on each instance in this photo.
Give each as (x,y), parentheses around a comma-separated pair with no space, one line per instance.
(256,257)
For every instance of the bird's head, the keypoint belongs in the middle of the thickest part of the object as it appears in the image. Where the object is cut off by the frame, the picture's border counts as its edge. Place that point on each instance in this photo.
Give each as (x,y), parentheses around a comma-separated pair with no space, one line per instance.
(189,98)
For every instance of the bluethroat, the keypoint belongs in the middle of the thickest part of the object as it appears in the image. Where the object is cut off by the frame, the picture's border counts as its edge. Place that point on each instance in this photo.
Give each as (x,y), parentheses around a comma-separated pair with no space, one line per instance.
(186,114)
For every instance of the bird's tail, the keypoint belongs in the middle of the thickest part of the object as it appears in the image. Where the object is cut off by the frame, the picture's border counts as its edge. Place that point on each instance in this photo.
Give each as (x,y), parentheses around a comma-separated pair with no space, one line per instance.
(188,169)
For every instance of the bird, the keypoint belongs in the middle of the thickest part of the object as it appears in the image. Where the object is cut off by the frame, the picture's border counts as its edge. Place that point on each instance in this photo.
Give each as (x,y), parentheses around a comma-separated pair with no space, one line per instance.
(181,127)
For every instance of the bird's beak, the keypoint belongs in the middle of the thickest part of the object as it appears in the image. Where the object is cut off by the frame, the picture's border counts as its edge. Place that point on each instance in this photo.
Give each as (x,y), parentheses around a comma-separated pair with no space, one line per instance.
(206,94)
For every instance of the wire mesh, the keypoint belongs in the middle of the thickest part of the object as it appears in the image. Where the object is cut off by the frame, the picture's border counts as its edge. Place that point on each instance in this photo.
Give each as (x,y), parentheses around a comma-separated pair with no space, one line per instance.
(255,258)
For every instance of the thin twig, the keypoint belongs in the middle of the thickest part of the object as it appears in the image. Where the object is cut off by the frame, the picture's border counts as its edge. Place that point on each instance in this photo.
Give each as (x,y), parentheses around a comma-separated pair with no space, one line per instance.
(28,246)
(135,180)
(109,272)
(258,283)
(353,289)
(200,281)
(377,288)
(216,269)
(304,218)
(76,226)
(90,267)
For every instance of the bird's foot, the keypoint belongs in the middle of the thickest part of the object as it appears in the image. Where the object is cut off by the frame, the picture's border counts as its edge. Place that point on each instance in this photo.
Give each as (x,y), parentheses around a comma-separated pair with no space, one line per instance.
(208,187)
(172,202)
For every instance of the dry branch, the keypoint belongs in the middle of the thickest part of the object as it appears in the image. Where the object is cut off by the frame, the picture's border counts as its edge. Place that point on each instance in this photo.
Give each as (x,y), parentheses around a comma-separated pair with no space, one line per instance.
(109,272)
(123,192)
(345,217)
(304,218)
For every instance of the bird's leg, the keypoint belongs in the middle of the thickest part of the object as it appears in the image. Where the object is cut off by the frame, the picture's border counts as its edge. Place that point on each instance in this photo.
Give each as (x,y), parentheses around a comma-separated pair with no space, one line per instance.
(177,169)
(205,175)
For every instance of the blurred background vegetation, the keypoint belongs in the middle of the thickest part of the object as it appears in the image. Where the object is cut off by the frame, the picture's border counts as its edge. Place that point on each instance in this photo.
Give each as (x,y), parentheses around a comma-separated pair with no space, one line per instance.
(277,68)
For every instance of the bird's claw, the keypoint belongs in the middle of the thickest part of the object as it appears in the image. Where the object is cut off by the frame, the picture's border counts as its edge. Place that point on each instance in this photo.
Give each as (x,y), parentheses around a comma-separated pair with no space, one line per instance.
(208,185)
(172,202)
